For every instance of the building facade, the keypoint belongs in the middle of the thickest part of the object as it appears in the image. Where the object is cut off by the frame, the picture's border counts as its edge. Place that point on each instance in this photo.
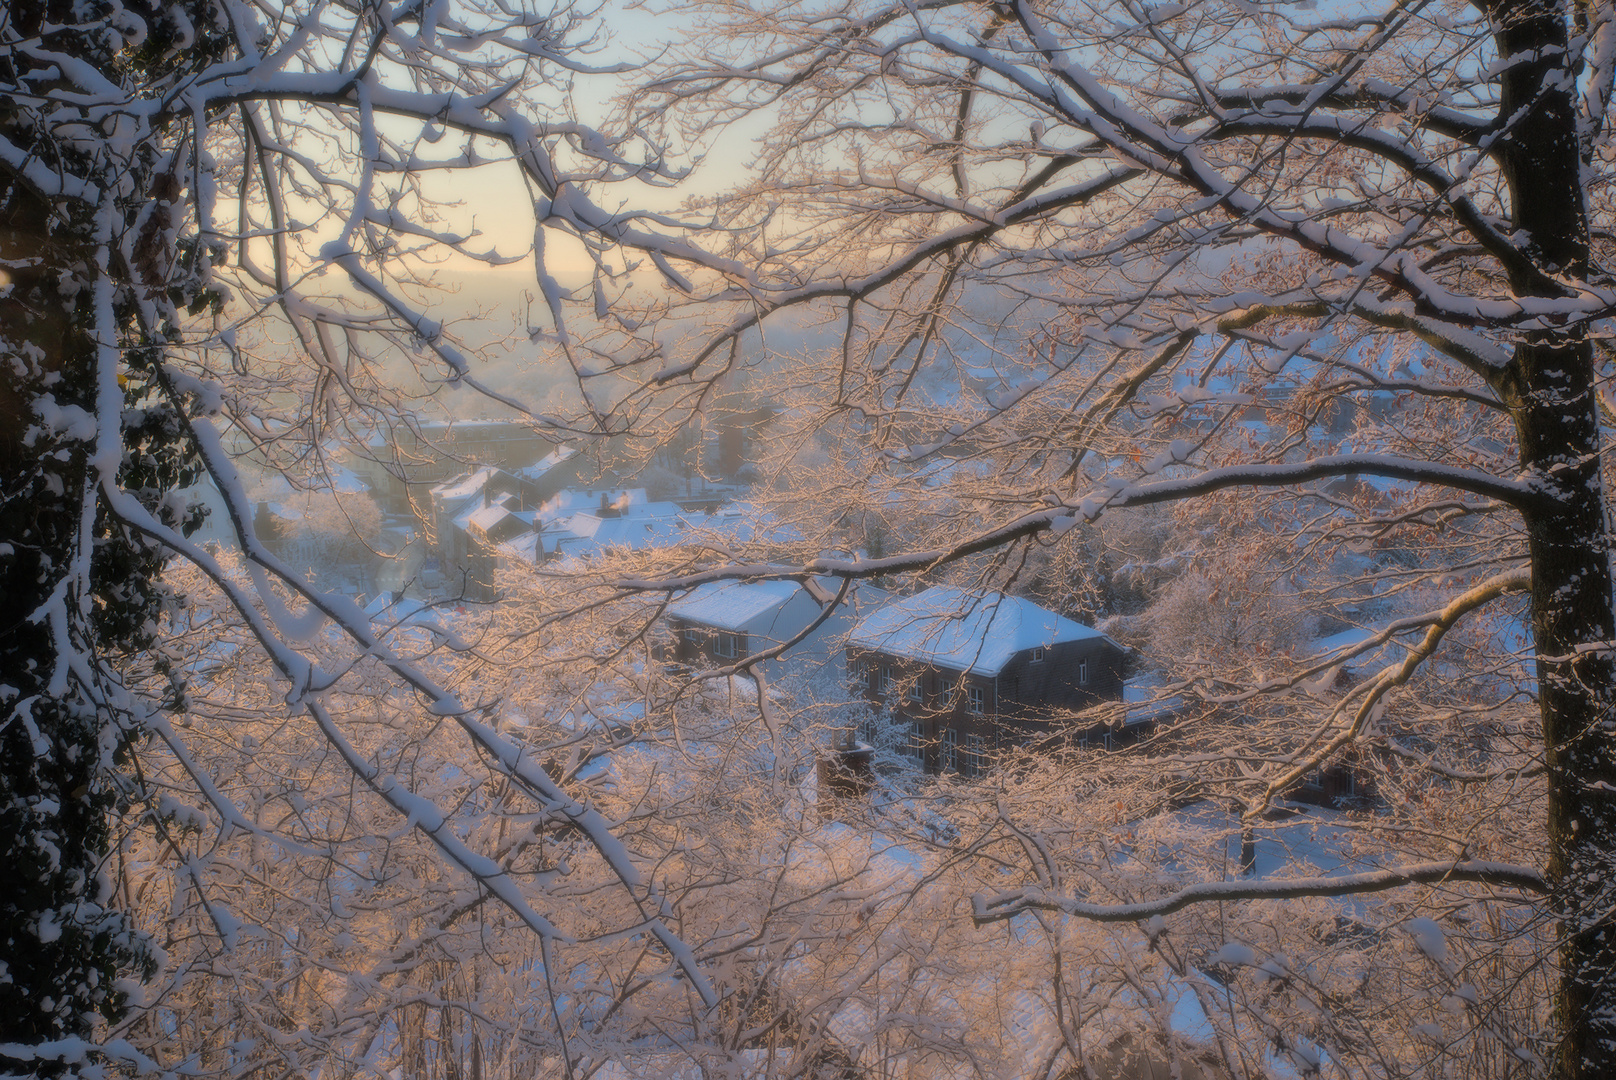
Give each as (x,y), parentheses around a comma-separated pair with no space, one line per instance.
(722,623)
(965,675)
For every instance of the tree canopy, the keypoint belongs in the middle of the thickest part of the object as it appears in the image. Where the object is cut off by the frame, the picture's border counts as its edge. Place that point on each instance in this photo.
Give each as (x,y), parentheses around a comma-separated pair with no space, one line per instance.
(1233,322)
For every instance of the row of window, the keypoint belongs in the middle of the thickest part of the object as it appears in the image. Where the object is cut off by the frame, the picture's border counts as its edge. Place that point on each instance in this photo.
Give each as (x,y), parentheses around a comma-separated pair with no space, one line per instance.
(887,681)
(972,760)
(975,696)
(725,644)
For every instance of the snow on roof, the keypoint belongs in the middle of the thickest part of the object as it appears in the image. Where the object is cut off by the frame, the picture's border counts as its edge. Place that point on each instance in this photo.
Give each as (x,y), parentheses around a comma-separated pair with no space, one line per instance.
(965,631)
(742,523)
(730,605)
(570,500)
(1337,647)
(463,486)
(388,608)
(344,481)
(488,517)
(584,534)
(523,548)
(555,457)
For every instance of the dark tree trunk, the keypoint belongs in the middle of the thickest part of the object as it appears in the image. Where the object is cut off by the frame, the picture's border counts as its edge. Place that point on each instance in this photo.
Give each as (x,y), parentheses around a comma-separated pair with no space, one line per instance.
(1550,390)
(1572,627)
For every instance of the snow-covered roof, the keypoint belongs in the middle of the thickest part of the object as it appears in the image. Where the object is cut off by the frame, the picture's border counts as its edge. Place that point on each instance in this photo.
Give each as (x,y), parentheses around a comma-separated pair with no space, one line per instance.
(565,503)
(584,534)
(387,609)
(523,548)
(730,605)
(489,517)
(555,457)
(461,487)
(975,632)
(742,523)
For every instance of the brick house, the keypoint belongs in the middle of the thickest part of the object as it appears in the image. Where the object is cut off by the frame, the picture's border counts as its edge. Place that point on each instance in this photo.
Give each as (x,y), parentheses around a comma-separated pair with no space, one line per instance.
(967,674)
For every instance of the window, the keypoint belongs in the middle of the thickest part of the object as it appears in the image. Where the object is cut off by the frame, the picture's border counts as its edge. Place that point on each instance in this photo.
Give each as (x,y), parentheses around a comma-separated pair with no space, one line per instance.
(917,692)
(975,761)
(916,746)
(866,730)
(692,634)
(951,761)
(886,679)
(1037,654)
(1102,739)
(726,645)
(1083,672)
(976,697)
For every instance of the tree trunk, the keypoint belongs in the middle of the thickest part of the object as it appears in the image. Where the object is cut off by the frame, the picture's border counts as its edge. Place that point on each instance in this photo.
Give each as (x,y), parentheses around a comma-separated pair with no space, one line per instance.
(1549,388)
(1572,627)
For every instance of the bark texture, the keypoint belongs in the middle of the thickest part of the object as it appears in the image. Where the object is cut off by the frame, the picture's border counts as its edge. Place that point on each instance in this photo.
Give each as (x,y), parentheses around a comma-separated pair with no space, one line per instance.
(1550,389)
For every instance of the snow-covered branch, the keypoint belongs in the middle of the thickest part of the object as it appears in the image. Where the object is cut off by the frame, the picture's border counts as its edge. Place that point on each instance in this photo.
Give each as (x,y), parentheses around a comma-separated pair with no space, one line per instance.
(994,907)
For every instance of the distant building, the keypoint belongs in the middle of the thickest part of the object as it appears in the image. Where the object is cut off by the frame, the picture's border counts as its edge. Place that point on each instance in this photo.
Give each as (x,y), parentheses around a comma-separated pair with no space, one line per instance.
(588,524)
(555,472)
(402,464)
(470,516)
(723,622)
(967,673)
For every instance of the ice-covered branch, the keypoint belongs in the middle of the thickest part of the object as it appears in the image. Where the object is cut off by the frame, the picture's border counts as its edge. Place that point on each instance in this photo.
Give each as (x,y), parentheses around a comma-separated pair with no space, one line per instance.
(992,907)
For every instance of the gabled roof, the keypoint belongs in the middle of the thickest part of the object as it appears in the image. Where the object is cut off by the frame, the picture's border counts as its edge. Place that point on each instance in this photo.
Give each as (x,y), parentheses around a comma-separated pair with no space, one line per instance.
(730,605)
(588,534)
(569,501)
(488,517)
(964,631)
(465,485)
(497,523)
(556,457)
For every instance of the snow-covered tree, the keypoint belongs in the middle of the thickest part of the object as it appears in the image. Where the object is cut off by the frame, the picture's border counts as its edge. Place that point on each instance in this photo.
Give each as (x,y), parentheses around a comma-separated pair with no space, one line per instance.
(81,586)
(1351,261)
(170,175)
(1067,260)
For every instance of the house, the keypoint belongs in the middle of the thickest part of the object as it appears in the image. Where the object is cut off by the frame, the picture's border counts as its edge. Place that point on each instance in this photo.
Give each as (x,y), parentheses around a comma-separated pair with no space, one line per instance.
(588,524)
(723,622)
(967,673)
(400,465)
(471,516)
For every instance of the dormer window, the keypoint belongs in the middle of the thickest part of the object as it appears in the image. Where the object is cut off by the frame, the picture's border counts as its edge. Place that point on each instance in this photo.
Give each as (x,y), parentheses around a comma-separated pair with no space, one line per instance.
(1038,654)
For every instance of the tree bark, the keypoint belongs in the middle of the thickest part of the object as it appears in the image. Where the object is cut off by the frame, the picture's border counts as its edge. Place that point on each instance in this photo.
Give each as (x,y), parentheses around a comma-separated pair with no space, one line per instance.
(1572,628)
(1550,390)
